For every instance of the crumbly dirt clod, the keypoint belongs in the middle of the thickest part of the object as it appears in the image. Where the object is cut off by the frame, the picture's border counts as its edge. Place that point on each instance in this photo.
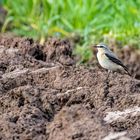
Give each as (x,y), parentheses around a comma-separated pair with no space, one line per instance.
(43,95)
(59,50)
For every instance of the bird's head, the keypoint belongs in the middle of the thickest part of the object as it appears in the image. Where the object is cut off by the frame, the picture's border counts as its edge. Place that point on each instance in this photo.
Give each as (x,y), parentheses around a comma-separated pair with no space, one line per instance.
(102,47)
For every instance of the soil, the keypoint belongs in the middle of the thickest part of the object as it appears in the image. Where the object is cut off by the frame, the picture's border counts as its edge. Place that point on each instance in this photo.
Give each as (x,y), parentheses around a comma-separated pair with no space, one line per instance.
(45,96)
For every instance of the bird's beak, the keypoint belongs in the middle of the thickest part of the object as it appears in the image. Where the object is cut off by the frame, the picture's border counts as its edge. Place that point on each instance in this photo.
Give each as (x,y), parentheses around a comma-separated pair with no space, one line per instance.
(95,46)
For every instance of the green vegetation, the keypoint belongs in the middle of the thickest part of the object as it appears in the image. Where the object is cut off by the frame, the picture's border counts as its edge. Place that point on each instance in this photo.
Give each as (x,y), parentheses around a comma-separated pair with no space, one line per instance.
(93,20)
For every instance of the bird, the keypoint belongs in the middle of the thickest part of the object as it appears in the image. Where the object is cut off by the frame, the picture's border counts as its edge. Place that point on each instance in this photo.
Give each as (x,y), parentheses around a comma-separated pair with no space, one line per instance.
(109,60)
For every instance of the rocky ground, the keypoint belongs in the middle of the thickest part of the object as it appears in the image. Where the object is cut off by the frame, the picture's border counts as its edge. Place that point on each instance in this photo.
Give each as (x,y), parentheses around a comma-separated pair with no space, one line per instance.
(45,96)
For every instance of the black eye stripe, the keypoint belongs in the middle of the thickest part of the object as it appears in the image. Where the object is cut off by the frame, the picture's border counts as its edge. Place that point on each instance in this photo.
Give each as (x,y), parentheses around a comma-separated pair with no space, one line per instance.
(100,46)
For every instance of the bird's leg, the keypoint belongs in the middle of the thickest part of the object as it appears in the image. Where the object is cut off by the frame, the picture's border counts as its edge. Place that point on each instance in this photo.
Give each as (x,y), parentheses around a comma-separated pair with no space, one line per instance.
(108,74)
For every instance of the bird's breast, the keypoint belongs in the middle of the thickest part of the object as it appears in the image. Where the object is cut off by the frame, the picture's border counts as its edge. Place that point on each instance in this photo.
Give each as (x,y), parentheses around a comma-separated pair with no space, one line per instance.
(106,63)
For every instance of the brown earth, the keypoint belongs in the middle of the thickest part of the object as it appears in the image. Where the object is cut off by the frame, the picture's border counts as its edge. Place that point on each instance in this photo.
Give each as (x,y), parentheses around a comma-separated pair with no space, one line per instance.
(44,96)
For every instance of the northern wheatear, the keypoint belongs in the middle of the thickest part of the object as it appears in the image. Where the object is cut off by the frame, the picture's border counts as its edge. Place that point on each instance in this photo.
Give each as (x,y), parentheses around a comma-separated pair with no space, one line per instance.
(108,60)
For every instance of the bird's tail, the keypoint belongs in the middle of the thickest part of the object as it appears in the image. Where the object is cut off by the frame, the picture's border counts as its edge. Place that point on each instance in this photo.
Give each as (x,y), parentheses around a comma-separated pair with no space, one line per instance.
(126,69)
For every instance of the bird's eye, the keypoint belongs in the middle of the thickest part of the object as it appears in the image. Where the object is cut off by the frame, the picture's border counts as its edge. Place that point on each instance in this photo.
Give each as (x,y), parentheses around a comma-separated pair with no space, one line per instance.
(101,47)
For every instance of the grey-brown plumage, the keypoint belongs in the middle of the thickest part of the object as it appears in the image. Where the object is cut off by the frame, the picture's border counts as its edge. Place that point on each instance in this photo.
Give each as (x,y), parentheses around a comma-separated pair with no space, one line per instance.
(117,61)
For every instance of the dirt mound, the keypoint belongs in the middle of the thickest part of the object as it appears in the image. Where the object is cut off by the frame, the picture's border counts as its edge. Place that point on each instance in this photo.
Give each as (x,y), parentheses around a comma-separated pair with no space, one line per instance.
(47,99)
(59,50)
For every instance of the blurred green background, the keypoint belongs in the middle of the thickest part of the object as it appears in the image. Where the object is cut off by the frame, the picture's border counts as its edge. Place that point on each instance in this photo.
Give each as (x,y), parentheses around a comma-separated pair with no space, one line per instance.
(91,20)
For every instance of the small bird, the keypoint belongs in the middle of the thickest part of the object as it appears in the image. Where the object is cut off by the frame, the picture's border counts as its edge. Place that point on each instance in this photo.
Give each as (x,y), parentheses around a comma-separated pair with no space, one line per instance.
(108,60)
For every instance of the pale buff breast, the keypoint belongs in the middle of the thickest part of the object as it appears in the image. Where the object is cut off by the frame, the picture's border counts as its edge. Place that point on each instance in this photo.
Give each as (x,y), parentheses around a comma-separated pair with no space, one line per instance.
(106,63)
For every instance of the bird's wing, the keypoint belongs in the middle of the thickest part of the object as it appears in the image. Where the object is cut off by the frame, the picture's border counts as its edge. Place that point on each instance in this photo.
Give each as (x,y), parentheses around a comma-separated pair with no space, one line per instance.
(114,59)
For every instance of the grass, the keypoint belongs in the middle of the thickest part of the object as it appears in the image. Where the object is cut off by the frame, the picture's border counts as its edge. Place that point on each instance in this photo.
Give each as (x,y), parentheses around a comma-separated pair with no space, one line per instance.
(93,20)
